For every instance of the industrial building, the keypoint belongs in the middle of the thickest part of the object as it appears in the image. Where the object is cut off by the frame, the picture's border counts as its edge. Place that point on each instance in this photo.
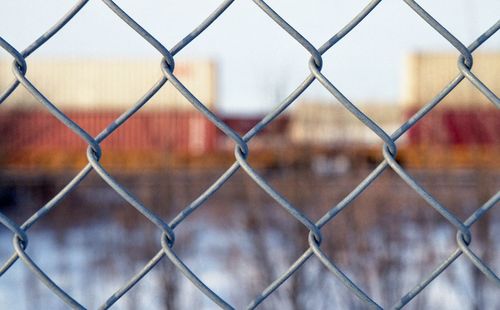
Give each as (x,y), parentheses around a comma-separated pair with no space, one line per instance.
(94,93)
(107,84)
(331,125)
(426,74)
(462,131)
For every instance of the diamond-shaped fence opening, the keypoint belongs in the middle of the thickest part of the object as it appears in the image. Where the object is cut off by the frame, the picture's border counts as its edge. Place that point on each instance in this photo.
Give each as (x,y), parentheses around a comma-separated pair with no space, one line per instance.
(166,250)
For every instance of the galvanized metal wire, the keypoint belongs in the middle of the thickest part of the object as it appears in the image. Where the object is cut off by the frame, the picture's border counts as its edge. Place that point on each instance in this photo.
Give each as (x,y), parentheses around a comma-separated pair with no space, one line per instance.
(167,228)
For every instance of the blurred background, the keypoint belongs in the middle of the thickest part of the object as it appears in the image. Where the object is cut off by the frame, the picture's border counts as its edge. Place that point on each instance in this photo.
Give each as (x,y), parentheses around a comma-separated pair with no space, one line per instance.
(315,153)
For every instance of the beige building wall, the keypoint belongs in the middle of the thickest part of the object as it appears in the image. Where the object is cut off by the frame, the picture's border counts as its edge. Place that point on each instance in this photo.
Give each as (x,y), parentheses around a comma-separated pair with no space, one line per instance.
(428,73)
(330,124)
(109,84)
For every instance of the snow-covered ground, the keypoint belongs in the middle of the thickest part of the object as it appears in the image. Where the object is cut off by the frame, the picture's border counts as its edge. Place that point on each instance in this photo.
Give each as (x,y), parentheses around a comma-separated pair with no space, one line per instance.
(92,262)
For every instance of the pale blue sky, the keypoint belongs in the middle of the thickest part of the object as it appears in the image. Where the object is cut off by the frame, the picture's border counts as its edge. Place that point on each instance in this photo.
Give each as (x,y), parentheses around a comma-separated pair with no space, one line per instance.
(258,62)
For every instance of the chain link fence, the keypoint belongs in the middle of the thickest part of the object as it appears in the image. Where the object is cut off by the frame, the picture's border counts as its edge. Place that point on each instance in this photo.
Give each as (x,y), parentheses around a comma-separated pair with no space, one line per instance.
(20,241)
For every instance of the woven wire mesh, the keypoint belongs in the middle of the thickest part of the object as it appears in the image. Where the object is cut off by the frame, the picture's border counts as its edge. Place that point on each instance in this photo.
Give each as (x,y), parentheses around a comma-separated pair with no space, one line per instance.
(241,153)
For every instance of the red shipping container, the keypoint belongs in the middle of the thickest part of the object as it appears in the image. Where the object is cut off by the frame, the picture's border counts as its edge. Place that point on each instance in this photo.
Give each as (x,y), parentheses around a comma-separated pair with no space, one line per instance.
(454,127)
(169,132)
